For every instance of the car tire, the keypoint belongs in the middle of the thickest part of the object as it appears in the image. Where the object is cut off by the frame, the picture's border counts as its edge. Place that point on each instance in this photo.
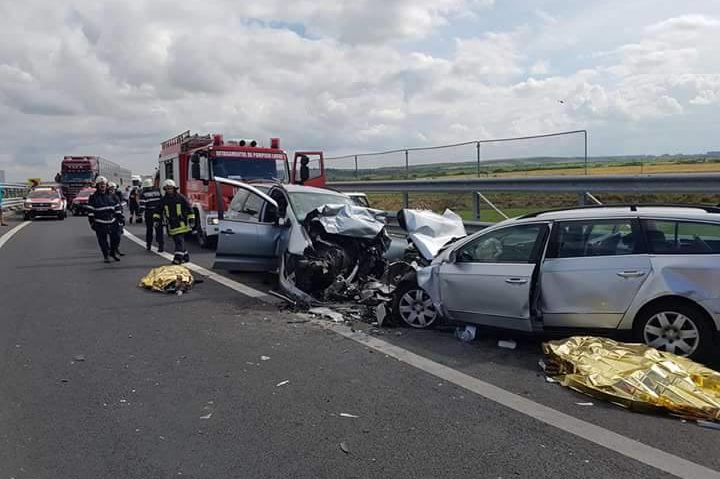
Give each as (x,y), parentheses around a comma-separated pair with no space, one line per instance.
(413,307)
(680,328)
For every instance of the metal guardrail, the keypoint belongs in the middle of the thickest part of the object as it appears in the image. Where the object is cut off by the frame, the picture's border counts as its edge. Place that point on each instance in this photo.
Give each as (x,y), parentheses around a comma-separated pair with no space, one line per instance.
(13,195)
(662,183)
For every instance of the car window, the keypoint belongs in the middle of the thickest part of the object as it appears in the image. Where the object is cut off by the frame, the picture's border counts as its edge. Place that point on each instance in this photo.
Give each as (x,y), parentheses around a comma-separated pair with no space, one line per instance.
(236,205)
(682,237)
(515,244)
(576,239)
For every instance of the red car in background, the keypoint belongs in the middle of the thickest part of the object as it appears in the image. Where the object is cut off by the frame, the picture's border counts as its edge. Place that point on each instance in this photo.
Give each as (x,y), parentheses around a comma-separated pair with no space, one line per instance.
(79,203)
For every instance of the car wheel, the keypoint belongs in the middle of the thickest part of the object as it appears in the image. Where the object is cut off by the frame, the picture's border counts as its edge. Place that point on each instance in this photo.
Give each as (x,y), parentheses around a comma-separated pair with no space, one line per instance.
(413,306)
(681,329)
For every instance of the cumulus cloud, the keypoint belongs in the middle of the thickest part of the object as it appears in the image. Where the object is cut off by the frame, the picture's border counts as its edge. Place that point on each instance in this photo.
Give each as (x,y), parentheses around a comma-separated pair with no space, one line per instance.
(117,77)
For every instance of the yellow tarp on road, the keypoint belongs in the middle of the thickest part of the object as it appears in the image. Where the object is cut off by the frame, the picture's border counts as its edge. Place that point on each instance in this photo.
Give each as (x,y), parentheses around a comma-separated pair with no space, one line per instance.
(635,376)
(167,279)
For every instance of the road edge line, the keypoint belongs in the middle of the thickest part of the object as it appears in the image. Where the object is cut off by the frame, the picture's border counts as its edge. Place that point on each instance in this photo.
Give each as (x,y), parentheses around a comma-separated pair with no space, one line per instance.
(13,231)
(623,445)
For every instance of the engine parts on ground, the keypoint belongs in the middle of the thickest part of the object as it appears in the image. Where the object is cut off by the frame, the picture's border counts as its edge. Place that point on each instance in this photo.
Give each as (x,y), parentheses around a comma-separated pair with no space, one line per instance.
(171,279)
(635,376)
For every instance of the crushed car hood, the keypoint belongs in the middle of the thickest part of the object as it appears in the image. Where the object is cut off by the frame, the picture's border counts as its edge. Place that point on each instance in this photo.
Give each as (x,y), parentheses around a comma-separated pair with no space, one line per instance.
(429,231)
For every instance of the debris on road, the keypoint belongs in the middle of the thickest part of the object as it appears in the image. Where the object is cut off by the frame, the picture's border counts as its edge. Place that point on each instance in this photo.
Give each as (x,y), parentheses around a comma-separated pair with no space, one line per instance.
(635,376)
(79,358)
(466,334)
(709,424)
(207,416)
(584,404)
(344,448)
(282,383)
(171,279)
(353,416)
(507,344)
(328,313)
(264,358)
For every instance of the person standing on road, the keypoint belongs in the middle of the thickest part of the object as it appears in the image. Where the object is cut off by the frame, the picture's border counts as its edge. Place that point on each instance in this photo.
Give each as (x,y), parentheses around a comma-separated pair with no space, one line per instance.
(120,225)
(150,198)
(133,204)
(103,214)
(179,218)
(2,195)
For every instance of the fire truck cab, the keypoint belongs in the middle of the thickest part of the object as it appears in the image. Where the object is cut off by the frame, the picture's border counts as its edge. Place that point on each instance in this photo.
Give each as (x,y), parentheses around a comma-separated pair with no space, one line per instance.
(193,161)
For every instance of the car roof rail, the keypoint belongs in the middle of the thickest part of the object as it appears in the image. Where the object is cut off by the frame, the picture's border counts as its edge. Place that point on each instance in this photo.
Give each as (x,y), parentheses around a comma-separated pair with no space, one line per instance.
(632,206)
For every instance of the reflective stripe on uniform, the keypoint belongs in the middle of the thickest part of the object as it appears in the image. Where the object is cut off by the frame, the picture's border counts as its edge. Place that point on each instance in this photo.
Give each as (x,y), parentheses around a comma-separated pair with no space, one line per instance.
(107,222)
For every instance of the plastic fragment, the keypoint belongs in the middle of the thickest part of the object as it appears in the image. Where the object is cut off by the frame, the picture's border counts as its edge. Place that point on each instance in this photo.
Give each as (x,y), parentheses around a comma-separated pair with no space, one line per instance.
(207,416)
(264,358)
(584,404)
(353,416)
(467,334)
(282,383)
(344,448)
(507,344)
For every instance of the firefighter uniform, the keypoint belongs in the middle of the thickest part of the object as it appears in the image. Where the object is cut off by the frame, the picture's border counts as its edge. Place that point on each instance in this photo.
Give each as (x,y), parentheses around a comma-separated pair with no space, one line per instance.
(179,219)
(104,215)
(150,199)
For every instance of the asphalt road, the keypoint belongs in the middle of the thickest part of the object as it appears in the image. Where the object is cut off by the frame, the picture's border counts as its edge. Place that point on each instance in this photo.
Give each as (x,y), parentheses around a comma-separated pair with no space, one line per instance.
(99,378)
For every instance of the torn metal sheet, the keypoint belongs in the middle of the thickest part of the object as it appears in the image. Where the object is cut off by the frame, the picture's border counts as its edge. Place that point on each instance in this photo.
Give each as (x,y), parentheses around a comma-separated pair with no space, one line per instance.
(429,231)
(428,278)
(635,376)
(350,220)
(168,279)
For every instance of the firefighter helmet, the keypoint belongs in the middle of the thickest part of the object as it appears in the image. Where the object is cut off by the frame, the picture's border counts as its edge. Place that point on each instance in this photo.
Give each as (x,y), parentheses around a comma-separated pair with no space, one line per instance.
(147,183)
(101,179)
(169,183)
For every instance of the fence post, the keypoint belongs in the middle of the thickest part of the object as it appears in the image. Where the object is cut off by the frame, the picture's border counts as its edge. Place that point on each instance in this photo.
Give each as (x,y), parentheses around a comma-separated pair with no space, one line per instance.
(586,151)
(407,165)
(356,167)
(476,205)
(477,146)
(581,198)
(406,200)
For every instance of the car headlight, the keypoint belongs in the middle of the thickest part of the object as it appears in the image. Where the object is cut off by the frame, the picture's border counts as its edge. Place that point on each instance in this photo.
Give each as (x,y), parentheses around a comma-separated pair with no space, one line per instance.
(213,220)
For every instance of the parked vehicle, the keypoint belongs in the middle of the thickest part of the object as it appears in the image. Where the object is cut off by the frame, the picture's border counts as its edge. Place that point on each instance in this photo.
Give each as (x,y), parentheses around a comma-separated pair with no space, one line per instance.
(78,172)
(193,161)
(79,204)
(653,271)
(45,201)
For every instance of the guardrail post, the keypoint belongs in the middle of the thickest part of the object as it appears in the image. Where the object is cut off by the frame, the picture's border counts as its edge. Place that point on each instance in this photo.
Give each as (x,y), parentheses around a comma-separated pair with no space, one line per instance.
(581,198)
(407,165)
(406,200)
(476,205)
(356,167)
(477,147)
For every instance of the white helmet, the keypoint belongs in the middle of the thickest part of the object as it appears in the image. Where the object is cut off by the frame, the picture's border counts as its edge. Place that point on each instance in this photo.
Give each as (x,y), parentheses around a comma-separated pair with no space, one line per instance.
(101,179)
(147,183)
(170,183)
(112,184)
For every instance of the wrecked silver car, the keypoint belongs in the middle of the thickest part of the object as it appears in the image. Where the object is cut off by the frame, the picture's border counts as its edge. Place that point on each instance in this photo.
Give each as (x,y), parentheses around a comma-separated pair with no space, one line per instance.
(653,271)
(323,246)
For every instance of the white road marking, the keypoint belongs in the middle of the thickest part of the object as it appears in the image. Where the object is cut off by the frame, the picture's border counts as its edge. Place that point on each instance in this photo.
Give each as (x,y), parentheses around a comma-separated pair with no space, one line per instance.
(630,448)
(234,285)
(6,237)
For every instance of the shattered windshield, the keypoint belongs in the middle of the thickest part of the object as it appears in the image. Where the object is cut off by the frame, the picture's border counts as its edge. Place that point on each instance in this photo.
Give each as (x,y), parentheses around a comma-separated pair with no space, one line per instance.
(303,203)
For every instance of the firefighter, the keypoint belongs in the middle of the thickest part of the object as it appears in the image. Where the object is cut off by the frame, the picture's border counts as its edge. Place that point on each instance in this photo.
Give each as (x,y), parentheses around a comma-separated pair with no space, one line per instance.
(150,199)
(178,217)
(304,169)
(134,205)
(120,224)
(104,212)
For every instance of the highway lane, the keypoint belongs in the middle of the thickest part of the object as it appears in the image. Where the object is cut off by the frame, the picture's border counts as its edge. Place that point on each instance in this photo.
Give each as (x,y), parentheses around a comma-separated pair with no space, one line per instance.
(155,365)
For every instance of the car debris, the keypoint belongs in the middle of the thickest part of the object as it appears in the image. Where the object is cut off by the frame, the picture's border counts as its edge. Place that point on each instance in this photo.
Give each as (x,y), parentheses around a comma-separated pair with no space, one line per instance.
(635,376)
(348,415)
(507,344)
(282,383)
(466,334)
(171,279)
(344,448)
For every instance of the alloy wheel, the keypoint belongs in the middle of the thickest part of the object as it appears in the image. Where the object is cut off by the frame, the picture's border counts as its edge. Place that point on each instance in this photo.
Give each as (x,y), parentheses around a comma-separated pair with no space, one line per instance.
(672,332)
(416,309)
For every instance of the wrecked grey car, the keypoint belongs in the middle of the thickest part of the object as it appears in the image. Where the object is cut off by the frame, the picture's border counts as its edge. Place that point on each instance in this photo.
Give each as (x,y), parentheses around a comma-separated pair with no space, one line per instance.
(323,246)
(653,271)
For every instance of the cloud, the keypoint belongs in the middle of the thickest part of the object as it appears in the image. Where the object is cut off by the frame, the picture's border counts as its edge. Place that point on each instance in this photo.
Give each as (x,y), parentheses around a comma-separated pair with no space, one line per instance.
(117,77)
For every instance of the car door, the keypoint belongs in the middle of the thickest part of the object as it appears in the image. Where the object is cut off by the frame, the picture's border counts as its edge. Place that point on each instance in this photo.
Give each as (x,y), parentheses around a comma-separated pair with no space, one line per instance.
(490,280)
(247,241)
(592,271)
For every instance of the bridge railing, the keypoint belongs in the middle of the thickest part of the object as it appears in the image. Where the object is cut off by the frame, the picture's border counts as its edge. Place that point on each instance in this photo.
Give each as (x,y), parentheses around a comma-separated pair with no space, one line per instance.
(13,195)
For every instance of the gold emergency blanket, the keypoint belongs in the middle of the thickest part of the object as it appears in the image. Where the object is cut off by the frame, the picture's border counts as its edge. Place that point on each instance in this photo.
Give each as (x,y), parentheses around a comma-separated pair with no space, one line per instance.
(635,376)
(168,279)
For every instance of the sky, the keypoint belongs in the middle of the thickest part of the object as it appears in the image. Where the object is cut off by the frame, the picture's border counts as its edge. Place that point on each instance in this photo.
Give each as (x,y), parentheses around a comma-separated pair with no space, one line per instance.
(115,78)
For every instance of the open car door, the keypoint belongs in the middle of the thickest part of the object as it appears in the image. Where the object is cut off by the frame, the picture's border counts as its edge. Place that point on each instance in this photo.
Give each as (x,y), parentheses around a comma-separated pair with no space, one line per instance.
(251,234)
(491,280)
(309,168)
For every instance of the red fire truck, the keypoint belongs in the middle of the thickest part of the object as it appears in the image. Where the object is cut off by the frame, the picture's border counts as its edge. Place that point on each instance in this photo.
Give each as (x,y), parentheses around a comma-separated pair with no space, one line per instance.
(192,161)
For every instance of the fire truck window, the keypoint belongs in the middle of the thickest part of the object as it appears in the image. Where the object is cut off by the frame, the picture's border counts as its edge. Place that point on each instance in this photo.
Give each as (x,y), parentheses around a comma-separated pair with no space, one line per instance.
(309,170)
(169,170)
